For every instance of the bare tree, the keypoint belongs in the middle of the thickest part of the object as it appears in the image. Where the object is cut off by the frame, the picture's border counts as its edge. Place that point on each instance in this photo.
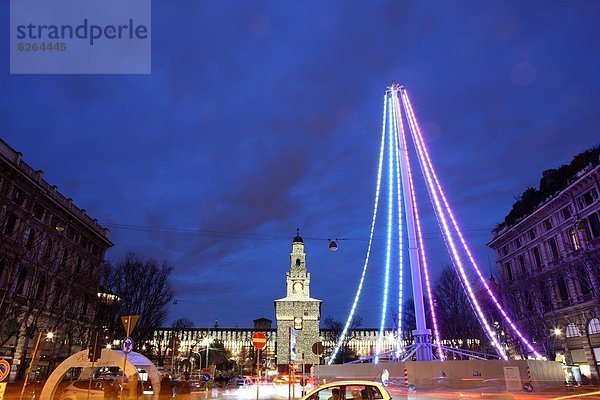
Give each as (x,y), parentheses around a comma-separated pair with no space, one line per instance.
(457,319)
(144,289)
(335,328)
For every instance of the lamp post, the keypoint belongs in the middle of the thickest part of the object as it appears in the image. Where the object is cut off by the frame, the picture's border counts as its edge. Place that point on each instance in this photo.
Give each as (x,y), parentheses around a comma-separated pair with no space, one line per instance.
(34,354)
(206,342)
(555,332)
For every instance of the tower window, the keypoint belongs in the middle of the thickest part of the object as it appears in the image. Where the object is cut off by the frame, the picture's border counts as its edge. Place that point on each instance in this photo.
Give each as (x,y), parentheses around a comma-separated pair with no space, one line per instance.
(297,262)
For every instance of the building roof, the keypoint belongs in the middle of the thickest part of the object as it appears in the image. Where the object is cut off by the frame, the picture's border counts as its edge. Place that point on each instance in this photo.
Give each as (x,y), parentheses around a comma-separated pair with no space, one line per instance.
(14,158)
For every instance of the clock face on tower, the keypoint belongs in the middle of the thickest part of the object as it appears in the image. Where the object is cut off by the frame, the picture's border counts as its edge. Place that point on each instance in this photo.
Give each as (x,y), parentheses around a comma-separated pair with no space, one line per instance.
(297,288)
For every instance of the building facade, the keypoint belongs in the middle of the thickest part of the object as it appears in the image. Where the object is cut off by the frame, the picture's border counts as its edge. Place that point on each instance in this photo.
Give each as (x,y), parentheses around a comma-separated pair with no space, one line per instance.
(50,255)
(548,265)
(297,311)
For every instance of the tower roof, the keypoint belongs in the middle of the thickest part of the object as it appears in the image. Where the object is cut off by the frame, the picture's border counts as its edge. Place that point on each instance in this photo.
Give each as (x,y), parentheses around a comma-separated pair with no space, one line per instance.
(298,238)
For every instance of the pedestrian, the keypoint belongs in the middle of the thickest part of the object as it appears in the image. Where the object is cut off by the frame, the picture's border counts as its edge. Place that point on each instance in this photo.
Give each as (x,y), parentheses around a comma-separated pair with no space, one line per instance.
(166,389)
(182,389)
(110,390)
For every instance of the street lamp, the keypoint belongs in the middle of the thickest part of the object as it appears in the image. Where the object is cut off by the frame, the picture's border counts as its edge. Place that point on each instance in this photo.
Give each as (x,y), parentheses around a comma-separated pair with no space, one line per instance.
(556,332)
(206,342)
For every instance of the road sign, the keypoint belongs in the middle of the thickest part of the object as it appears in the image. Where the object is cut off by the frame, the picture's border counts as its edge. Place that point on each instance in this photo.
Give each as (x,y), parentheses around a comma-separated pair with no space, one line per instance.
(293,355)
(129,322)
(205,370)
(317,348)
(127,345)
(206,377)
(259,340)
(4,369)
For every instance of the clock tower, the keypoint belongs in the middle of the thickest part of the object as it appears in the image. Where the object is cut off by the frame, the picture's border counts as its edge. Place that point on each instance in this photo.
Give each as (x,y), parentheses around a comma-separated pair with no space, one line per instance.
(297,310)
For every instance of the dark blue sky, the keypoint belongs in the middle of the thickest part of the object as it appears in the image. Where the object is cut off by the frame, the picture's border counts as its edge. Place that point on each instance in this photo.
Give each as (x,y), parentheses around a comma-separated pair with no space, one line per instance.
(259,117)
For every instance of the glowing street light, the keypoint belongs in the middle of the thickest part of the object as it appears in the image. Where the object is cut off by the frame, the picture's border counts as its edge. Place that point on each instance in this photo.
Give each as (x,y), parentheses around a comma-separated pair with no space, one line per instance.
(557,331)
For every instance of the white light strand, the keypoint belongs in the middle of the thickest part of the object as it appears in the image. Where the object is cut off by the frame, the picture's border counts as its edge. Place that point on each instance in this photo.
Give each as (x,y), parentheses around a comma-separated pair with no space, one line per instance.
(461,238)
(388,248)
(420,241)
(445,229)
(364,270)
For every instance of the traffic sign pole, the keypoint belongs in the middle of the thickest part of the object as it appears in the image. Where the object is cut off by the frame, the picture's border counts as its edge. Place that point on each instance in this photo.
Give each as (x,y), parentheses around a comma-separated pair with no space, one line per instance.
(259,340)
(257,372)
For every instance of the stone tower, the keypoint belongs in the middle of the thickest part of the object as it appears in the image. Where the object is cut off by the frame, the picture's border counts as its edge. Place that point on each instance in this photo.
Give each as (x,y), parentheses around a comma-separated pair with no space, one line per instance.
(297,309)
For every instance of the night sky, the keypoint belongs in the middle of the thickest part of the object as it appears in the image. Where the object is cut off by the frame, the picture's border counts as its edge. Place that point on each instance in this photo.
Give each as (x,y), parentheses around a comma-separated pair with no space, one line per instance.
(260,117)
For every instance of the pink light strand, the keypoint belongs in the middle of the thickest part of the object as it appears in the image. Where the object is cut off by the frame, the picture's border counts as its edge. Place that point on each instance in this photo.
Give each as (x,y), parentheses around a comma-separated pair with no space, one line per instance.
(395,145)
(399,123)
(463,242)
(446,230)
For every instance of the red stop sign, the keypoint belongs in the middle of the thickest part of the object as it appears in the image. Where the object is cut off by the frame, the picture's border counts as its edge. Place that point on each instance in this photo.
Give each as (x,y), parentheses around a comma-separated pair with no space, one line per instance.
(259,340)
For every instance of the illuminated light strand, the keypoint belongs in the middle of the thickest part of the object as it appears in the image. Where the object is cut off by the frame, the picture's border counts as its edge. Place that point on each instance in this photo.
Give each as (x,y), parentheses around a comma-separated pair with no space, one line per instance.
(445,229)
(463,242)
(364,270)
(400,132)
(400,240)
(388,248)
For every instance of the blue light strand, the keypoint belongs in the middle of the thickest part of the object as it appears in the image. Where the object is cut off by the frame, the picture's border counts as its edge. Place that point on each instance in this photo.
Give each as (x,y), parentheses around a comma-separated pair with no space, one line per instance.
(395,145)
(364,270)
(388,249)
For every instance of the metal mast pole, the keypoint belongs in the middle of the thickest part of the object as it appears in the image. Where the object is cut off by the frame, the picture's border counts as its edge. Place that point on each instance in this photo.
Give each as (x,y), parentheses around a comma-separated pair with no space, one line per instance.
(422,335)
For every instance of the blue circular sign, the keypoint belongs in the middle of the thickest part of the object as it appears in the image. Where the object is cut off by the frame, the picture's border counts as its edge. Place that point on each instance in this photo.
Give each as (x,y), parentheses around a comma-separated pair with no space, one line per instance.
(206,377)
(127,345)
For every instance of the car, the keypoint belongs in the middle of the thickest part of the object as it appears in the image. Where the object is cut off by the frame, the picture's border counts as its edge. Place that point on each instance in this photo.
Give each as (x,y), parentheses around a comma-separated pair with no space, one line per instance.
(78,390)
(349,390)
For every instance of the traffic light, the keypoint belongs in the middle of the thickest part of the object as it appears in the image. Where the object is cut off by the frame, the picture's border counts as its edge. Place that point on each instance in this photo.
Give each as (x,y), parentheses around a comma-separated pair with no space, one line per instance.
(96,345)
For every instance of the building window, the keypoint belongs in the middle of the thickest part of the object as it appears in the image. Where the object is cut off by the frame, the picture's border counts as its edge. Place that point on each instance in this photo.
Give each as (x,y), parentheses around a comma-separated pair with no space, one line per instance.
(548,224)
(545,297)
(20,288)
(566,212)
(595,225)
(505,250)
(562,289)
(30,239)
(518,242)
(584,282)
(574,239)
(49,245)
(528,301)
(522,264)
(531,234)
(65,257)
(18,196)
(40,288)
(11,223)
(38,212)
(594,326)
(573,330)
(553,248)
(508,271)
(537,257)
(587,199)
